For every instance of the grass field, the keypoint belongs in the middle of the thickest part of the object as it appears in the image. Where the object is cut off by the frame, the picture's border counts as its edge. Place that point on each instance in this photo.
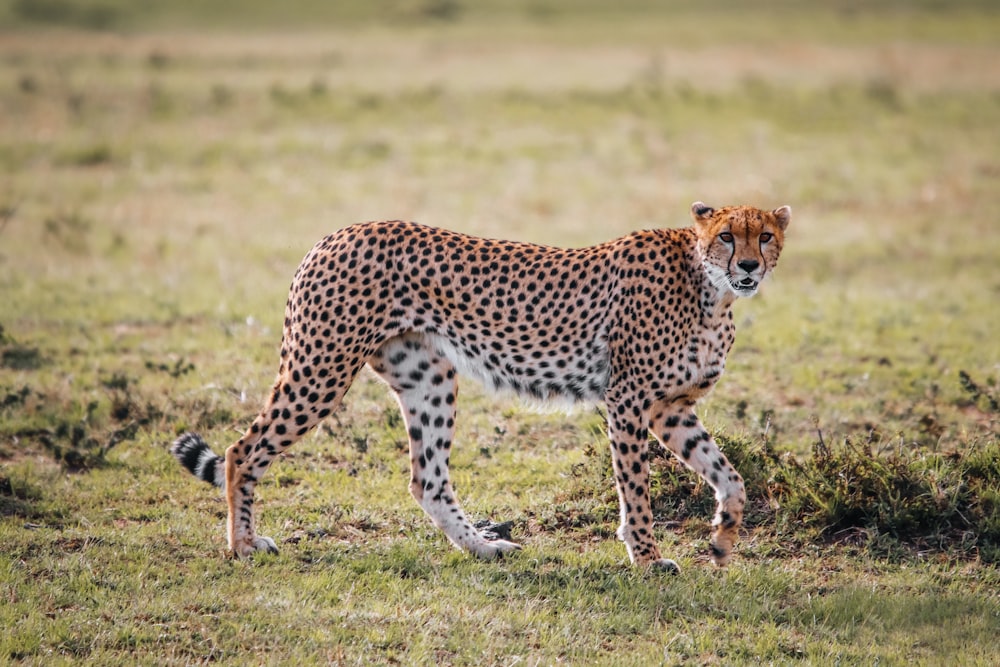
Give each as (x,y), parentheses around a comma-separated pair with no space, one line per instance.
(164,169)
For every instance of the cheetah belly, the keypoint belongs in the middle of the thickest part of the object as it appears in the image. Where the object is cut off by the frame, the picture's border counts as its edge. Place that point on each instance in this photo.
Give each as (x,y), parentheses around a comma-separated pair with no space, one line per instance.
(537,375)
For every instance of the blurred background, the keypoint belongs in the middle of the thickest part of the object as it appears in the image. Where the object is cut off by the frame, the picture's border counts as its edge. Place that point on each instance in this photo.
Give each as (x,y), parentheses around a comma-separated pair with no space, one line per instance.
(166,164)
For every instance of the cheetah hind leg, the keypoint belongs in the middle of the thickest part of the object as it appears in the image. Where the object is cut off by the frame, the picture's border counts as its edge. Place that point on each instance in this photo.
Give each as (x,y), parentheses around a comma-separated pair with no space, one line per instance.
(286,417)
(426,387)
(194,454)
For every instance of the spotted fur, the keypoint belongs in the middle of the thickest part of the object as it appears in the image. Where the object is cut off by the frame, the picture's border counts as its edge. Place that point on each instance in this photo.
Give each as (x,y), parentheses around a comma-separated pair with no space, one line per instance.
(642,323)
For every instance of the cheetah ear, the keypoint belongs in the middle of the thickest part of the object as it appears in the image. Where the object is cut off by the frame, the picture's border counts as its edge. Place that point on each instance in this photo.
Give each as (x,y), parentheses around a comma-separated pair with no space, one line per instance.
(782,216)
(701,212)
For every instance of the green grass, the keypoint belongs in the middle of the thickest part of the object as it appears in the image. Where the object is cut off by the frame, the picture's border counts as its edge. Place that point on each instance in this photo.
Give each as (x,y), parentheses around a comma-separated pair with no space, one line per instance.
(166,169)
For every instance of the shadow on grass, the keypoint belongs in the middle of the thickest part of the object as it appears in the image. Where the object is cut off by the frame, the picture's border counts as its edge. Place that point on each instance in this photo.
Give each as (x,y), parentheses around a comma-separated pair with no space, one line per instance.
(24,500)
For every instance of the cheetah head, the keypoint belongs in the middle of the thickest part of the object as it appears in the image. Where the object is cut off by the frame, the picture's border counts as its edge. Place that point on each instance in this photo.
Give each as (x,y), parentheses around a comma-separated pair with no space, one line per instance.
(739,245)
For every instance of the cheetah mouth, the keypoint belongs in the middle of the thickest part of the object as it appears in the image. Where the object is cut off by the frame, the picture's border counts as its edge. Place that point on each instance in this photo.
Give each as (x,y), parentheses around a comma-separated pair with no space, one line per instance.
(746,285)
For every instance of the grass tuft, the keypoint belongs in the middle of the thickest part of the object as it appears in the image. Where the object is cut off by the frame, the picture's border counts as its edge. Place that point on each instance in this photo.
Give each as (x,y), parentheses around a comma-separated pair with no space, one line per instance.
(911,499)
(18,357)
(903,502)
(989,396)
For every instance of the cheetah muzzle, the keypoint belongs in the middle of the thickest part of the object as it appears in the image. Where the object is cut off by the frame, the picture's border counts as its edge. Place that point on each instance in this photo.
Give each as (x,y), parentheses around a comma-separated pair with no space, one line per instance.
(642,323)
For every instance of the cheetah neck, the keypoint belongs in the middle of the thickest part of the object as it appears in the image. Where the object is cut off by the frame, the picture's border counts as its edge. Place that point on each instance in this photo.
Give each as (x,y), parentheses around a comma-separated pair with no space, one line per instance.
(715,302)
(715,296)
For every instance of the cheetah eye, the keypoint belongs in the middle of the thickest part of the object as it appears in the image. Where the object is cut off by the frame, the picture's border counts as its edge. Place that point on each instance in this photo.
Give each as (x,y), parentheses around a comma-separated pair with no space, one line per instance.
(765,237)
(726,237)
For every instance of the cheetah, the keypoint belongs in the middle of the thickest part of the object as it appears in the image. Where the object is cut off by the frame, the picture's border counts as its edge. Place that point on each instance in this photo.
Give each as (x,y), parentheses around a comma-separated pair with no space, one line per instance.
(642,323)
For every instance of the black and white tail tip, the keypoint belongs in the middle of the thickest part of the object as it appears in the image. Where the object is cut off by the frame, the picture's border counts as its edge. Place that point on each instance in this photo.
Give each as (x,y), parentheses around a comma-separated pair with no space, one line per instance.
(195,455)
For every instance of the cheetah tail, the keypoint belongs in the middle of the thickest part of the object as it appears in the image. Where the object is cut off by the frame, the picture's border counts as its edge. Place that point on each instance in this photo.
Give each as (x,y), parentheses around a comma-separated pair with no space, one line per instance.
(195,455)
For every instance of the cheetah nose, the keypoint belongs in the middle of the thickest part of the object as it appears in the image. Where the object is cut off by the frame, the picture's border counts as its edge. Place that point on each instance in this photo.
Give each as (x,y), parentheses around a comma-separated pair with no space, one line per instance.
(748,265)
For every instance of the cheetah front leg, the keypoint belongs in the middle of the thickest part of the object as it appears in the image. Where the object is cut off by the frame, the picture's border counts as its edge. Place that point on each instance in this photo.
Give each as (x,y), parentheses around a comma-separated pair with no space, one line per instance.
(630,461)
(426,386)
(677,427)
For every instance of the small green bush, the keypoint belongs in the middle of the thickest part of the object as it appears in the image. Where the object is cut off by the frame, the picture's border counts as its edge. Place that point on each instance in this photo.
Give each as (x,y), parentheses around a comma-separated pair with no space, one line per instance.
(915,498)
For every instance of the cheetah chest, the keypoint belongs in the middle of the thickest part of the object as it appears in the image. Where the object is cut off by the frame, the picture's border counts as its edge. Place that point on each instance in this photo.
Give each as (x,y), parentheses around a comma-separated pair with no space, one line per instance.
(704,359)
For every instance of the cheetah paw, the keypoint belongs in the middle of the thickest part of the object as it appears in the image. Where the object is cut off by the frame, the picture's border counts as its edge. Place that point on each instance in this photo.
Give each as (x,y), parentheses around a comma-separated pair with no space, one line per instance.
(719,556)
(494,549)
(252,546)
(265,544)
(665,565)
(721,548)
